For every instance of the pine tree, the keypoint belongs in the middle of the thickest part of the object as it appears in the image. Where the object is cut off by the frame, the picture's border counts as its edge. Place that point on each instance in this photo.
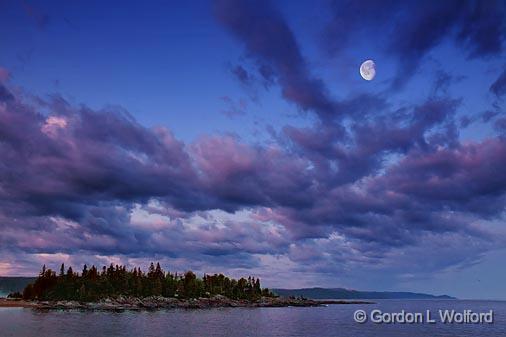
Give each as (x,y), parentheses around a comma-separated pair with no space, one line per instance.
(116,280)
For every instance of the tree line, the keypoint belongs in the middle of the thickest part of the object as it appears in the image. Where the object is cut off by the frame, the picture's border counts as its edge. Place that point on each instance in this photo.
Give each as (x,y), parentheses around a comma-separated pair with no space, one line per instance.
(92,284)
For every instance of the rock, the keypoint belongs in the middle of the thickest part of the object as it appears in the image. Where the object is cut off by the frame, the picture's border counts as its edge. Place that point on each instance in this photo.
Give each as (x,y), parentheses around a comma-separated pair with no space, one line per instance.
(122,303)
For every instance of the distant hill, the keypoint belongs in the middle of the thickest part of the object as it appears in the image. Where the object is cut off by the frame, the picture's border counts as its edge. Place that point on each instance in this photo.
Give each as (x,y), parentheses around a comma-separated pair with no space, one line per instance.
(341,293)
(13,284)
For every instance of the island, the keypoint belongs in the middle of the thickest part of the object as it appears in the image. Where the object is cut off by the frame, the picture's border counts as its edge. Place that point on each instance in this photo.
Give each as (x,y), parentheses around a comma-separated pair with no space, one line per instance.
(115,288)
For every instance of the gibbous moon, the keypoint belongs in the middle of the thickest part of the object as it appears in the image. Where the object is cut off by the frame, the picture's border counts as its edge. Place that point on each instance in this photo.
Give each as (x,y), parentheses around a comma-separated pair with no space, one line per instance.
(368,70)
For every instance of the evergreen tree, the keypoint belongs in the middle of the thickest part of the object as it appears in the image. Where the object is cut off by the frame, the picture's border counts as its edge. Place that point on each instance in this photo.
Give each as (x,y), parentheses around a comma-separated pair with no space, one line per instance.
(113,281)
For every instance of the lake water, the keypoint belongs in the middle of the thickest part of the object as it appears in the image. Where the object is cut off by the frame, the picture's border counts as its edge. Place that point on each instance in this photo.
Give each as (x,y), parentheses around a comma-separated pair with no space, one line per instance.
(334,320)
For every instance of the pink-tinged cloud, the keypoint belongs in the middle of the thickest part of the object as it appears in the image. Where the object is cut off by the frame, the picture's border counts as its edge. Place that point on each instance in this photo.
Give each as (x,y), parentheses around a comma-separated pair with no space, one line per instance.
(86,183)
(4,74)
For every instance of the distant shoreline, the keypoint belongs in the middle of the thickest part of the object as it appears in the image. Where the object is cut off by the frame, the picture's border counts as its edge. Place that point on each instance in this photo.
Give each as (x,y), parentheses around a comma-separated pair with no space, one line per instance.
(157,302)
(348,294)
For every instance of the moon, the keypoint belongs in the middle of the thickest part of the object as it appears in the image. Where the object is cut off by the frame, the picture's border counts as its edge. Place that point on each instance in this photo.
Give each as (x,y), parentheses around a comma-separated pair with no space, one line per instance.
(368,70)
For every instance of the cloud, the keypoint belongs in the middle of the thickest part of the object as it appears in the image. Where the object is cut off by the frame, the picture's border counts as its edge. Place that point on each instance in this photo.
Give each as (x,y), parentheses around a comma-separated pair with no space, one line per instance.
(500,125)
(366,186)
(242,75)
(409,29)
(261,28)
(5,94)
(483,30)
(41,19)
(4,74)
(94,185)
(498,88)
(234,109)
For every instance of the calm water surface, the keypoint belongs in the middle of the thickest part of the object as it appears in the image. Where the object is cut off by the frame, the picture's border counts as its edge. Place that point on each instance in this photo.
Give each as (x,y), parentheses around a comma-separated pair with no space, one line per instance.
(334,320)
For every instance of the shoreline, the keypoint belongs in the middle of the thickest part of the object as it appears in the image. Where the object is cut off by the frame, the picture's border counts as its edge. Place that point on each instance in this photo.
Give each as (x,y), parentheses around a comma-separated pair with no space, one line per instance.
(122,303)
(14,303)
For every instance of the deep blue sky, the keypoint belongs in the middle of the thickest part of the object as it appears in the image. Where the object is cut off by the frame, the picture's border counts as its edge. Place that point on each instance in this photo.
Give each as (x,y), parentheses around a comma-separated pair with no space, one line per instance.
(244,131)
(152,59)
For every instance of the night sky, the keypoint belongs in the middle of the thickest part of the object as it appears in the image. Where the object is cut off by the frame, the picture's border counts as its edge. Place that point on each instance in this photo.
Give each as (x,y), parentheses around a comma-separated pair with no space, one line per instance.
(238,137)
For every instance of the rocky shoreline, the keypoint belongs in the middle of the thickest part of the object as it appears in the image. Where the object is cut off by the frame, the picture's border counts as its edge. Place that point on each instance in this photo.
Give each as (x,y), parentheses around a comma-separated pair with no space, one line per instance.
(123,303)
